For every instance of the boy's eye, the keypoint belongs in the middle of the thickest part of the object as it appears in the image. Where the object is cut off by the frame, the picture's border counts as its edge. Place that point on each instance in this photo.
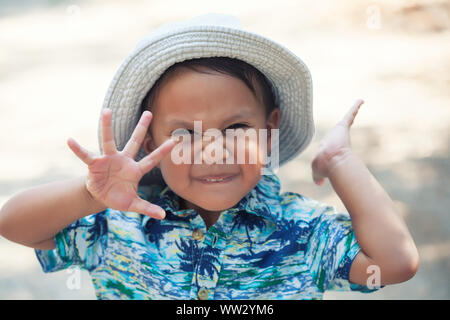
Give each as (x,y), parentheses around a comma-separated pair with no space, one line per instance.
(182,131)
(238,125)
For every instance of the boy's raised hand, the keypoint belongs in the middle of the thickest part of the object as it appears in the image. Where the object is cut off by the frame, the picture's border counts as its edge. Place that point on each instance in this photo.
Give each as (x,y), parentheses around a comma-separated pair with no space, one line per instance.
(113,177)
(335,144)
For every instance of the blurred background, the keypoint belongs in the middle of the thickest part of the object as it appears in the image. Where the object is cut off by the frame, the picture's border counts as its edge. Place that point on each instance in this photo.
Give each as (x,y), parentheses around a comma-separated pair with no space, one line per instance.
(57,59)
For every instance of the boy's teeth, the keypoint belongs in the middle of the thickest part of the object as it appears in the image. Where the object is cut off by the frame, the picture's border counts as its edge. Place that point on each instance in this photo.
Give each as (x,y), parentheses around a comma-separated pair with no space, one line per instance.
(214,180)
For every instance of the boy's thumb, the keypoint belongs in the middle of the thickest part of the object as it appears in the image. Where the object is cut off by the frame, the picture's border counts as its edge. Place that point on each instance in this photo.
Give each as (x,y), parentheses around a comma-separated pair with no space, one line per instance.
(318,180)
(146,208)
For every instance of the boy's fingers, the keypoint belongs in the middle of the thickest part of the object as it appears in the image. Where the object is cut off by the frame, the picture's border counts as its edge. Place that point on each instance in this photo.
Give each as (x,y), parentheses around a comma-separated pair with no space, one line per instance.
(152,159)
(133,145)
(351,114)
(144,207)
(108,144)
(85,156)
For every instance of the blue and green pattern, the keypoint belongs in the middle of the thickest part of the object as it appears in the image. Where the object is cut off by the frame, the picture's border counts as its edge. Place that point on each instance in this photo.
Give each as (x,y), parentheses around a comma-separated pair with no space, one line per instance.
(268,246)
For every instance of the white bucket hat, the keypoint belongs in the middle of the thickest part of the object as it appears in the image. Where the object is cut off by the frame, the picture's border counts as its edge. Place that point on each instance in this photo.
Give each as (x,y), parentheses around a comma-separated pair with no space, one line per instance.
(213,35)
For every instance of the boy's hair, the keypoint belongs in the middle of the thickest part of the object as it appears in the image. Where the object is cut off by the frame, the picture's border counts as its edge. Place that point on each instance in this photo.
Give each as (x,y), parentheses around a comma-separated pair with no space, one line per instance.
(231,66)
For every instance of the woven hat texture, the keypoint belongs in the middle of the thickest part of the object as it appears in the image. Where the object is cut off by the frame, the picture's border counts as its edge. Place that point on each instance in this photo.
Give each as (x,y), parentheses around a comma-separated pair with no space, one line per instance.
(213,35)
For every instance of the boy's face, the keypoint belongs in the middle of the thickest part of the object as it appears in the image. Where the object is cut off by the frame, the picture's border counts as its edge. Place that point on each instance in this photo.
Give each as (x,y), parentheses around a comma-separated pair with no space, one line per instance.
(219,101)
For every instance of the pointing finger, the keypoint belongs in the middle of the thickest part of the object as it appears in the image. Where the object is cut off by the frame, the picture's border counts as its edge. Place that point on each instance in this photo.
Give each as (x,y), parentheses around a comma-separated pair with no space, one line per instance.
(152,159)
(348,119)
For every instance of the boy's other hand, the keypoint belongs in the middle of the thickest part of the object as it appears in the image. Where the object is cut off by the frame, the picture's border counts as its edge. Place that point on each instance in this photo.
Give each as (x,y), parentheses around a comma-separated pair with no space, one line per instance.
(335,146)
(113,177)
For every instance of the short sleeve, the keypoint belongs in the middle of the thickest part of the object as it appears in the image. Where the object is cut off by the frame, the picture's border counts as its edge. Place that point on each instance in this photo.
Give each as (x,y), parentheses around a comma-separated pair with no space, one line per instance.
(331,250)
(80,244)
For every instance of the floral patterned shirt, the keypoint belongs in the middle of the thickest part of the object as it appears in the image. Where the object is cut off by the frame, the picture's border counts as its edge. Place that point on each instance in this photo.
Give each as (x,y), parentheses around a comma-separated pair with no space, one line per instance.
(270,245)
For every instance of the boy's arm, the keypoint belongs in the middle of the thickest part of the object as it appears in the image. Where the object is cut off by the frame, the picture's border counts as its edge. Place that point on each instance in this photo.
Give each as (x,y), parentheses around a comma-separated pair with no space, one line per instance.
(33,217)
(381,232)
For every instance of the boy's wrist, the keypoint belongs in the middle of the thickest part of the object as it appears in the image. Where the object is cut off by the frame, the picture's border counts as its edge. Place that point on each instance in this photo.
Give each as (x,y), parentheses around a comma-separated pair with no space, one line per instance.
(94,205)
(338,159)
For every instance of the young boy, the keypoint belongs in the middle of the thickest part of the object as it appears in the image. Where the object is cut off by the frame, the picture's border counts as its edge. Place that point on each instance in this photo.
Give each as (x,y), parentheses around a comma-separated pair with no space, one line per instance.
(212,229)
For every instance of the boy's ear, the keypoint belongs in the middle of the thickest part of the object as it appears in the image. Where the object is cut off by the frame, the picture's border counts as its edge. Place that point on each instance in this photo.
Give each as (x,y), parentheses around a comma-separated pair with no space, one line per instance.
(273,121)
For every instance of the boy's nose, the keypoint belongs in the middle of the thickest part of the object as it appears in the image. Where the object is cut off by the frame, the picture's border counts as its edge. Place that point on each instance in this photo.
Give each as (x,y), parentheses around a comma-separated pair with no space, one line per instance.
(215,151)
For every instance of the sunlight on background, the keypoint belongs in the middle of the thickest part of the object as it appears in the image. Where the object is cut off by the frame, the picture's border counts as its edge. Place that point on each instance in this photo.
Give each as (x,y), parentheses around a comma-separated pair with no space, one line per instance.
(57,59)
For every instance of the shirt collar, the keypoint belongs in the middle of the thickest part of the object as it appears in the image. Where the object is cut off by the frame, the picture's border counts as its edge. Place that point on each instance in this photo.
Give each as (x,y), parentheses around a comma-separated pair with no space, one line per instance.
(263,200)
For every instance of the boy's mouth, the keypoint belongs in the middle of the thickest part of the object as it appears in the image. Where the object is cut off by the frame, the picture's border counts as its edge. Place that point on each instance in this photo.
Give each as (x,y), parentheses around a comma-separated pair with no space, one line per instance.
(216,178)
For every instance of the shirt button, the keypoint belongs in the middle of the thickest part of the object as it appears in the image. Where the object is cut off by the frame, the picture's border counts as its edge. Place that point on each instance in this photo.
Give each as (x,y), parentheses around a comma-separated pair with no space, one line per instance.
(197,234)
(203,294)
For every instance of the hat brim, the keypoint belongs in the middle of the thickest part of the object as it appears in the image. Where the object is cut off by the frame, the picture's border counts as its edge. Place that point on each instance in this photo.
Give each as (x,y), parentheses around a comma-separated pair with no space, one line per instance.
(288,74)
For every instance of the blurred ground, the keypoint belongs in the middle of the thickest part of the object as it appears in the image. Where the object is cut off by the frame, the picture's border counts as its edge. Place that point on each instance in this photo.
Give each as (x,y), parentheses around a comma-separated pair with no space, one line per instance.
(58,58)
